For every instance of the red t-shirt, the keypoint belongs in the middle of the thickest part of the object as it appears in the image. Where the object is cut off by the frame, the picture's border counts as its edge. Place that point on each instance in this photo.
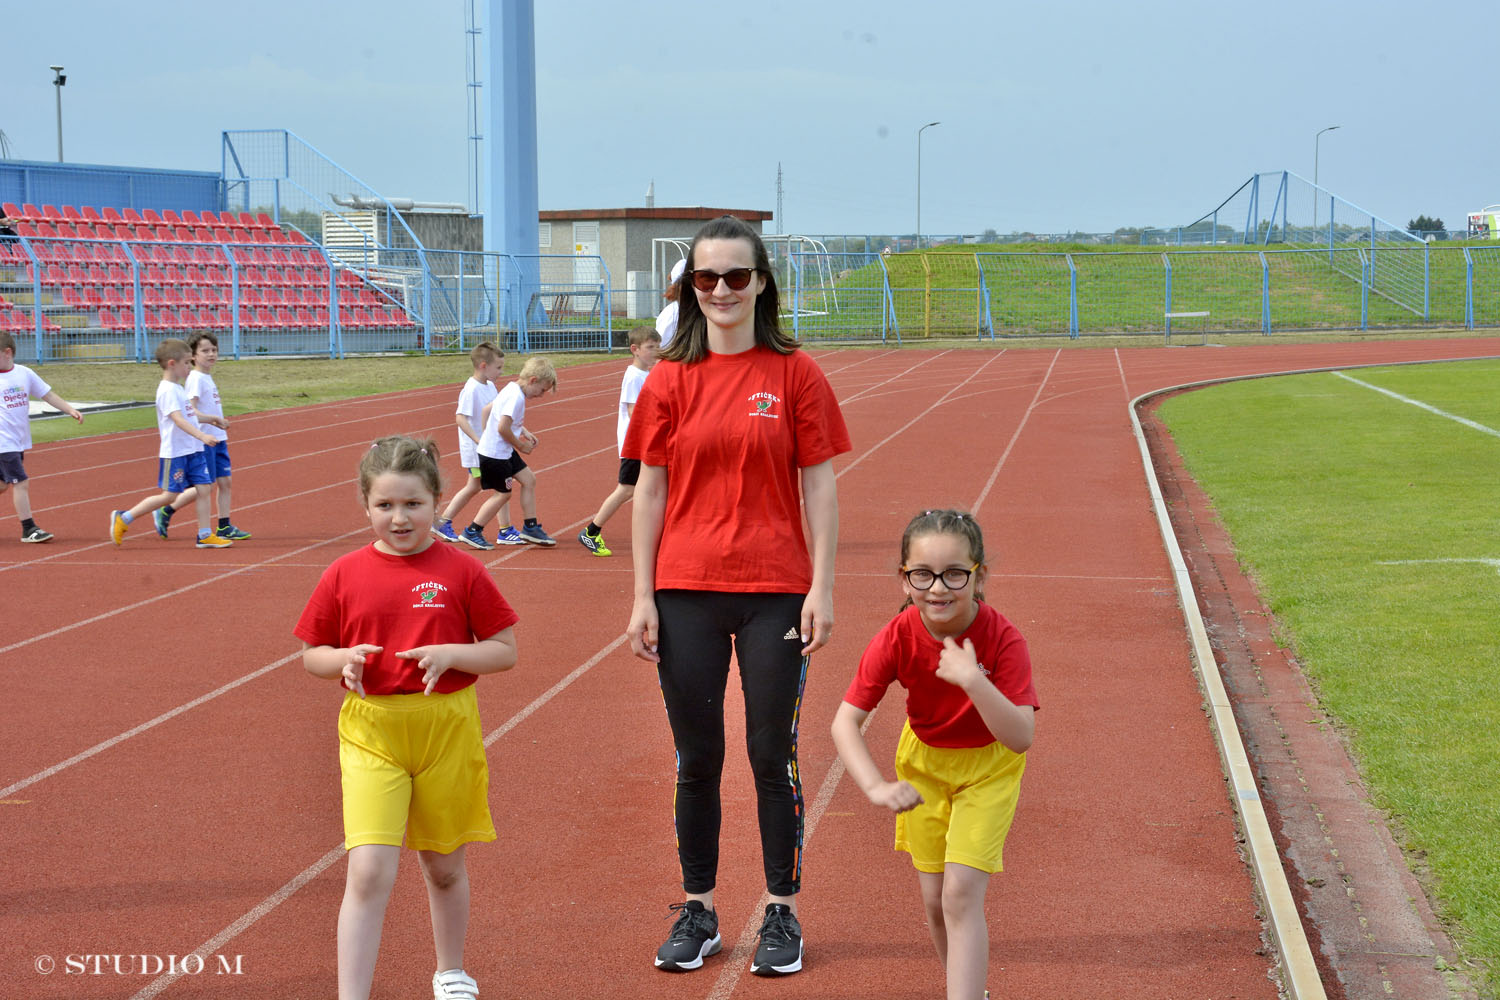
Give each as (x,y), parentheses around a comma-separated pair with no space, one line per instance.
(733,430)
(940,713)
(439,595)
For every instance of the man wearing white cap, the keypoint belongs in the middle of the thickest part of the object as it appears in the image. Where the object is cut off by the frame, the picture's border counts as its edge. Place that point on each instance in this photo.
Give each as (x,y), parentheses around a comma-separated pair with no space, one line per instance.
(666,320)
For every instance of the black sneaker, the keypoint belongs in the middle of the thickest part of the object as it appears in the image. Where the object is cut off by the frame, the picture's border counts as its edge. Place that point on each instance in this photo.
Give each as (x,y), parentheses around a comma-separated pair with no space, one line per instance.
(780,951)
(36,534)
(695,936)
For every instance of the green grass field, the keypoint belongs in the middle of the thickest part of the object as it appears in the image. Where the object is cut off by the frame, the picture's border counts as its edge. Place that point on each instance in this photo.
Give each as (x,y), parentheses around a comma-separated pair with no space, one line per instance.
(1373,530)
(1122,289)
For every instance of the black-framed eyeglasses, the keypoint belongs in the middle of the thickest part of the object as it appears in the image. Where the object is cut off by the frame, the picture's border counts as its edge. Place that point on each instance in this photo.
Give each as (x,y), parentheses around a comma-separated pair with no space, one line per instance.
(736,278)
(954,577)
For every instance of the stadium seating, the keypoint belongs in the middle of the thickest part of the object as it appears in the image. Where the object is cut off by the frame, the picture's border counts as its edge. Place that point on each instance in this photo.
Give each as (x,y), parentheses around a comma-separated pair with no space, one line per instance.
(283,277)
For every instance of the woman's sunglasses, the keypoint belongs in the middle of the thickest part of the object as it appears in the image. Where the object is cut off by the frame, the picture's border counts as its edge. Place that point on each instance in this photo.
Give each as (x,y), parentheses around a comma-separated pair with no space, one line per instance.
(706,281)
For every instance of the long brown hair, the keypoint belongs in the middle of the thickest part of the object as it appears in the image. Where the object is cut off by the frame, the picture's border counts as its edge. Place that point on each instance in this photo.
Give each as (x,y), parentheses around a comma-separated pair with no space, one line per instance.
(690,343)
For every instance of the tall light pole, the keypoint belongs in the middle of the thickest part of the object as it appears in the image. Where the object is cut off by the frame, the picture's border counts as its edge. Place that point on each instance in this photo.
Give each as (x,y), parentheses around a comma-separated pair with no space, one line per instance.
(59,80)
(1316,139)
(924,128)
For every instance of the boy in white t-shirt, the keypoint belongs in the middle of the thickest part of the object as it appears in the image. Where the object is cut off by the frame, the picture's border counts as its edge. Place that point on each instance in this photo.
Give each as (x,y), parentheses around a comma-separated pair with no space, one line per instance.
(504,441)
(644,343)
(180,459)
(207,409)
(474,401)
(18,386)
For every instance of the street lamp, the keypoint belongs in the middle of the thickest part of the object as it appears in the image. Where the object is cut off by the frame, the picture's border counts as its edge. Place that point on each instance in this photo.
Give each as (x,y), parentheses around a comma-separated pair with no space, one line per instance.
(1316,139)
(59,80)
(924,128)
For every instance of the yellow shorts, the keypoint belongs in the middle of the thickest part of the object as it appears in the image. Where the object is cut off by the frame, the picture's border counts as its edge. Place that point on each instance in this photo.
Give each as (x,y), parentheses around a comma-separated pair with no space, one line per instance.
(414,765)
(969,799)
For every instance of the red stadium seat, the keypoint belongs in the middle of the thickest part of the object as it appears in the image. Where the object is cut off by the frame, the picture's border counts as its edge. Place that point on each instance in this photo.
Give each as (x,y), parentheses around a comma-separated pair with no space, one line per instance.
(248,221)
(12,210)
(307,321)
(221,235)
(266,221)
(110,214)
(277,236)
(241,236)
(131,216)
(170,217)
(149,216)
(203,234)
(71,214)
(31,213)
(46,229)
(190,217)
(89,213)
(51,212)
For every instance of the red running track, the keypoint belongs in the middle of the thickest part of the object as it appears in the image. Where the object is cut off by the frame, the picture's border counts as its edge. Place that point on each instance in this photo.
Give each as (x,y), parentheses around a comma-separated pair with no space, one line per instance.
(169,784)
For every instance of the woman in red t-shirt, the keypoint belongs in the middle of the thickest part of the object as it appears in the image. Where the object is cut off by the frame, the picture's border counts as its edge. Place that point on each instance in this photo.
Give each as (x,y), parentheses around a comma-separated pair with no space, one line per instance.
(736,430)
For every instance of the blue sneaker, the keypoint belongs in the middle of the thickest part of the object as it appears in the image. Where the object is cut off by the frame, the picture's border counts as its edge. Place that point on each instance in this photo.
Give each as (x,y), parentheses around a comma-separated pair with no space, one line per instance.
(444,530)
(533,533)
(475,537)
(233,533)
(162,519)
(510,536)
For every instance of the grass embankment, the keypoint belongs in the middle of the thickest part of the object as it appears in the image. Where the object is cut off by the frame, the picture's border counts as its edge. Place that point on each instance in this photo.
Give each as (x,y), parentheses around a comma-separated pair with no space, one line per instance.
(1370,526)
(1123,289)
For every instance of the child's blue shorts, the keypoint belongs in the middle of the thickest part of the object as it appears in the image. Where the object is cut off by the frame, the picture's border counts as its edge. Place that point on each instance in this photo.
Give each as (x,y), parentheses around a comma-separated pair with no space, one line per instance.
(177,474)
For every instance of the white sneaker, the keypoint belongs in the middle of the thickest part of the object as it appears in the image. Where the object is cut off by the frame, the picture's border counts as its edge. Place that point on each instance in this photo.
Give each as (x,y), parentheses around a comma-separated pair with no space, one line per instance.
(455,984)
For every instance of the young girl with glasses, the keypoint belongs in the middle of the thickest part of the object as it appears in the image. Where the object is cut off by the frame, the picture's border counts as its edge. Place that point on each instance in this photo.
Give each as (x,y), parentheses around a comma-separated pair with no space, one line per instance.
(734,430)
(970,708)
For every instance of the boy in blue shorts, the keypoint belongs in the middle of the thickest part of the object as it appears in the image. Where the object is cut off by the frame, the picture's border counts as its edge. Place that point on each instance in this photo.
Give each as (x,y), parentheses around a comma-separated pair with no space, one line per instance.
(208,410)
(18,385)
(181,457)
(644,343)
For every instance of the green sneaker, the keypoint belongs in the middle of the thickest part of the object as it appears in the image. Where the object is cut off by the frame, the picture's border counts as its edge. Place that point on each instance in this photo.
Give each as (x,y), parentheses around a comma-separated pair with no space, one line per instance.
(594,543)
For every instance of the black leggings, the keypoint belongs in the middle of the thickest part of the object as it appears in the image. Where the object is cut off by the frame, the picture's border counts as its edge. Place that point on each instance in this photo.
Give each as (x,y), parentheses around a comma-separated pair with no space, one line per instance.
(694,634)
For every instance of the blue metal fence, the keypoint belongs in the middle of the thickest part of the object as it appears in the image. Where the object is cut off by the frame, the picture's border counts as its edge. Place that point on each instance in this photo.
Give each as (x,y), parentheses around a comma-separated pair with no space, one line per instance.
(99,299)
(40,183)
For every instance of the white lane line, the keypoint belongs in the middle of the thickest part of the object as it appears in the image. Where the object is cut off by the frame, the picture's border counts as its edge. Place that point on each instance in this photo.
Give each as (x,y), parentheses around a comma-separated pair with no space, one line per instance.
(1016,434)
(249,567)
(99,748)
(1423,406)
(209,948)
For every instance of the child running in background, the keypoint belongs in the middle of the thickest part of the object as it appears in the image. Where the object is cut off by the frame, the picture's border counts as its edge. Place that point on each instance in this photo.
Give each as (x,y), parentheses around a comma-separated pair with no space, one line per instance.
(504,441)
(473,406)
(970,708)
(644,343)
(18,386)
(181,461)
(203,396)
(405,626)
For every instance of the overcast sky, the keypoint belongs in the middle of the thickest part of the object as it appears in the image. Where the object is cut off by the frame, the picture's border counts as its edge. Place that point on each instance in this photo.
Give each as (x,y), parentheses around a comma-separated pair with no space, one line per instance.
(1056,116)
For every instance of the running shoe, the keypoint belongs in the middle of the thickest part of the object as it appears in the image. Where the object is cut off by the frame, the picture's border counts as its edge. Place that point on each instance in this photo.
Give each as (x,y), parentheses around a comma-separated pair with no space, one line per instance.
(36,534)
(780,951)
(455,984)
(234,534)
(444,530)
(533,533)
(474,536)
(213,541)
(162,520)
(509,536)
(594,543)
(694,936)
(117,526)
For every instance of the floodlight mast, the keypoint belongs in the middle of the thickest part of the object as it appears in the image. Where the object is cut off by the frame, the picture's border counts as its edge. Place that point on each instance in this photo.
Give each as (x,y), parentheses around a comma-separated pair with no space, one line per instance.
(59,80)
(1316,140)
(924,128)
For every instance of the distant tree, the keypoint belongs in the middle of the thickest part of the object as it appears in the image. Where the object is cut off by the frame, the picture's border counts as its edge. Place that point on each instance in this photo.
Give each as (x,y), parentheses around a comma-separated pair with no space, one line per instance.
(989,236)
(1423,224)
